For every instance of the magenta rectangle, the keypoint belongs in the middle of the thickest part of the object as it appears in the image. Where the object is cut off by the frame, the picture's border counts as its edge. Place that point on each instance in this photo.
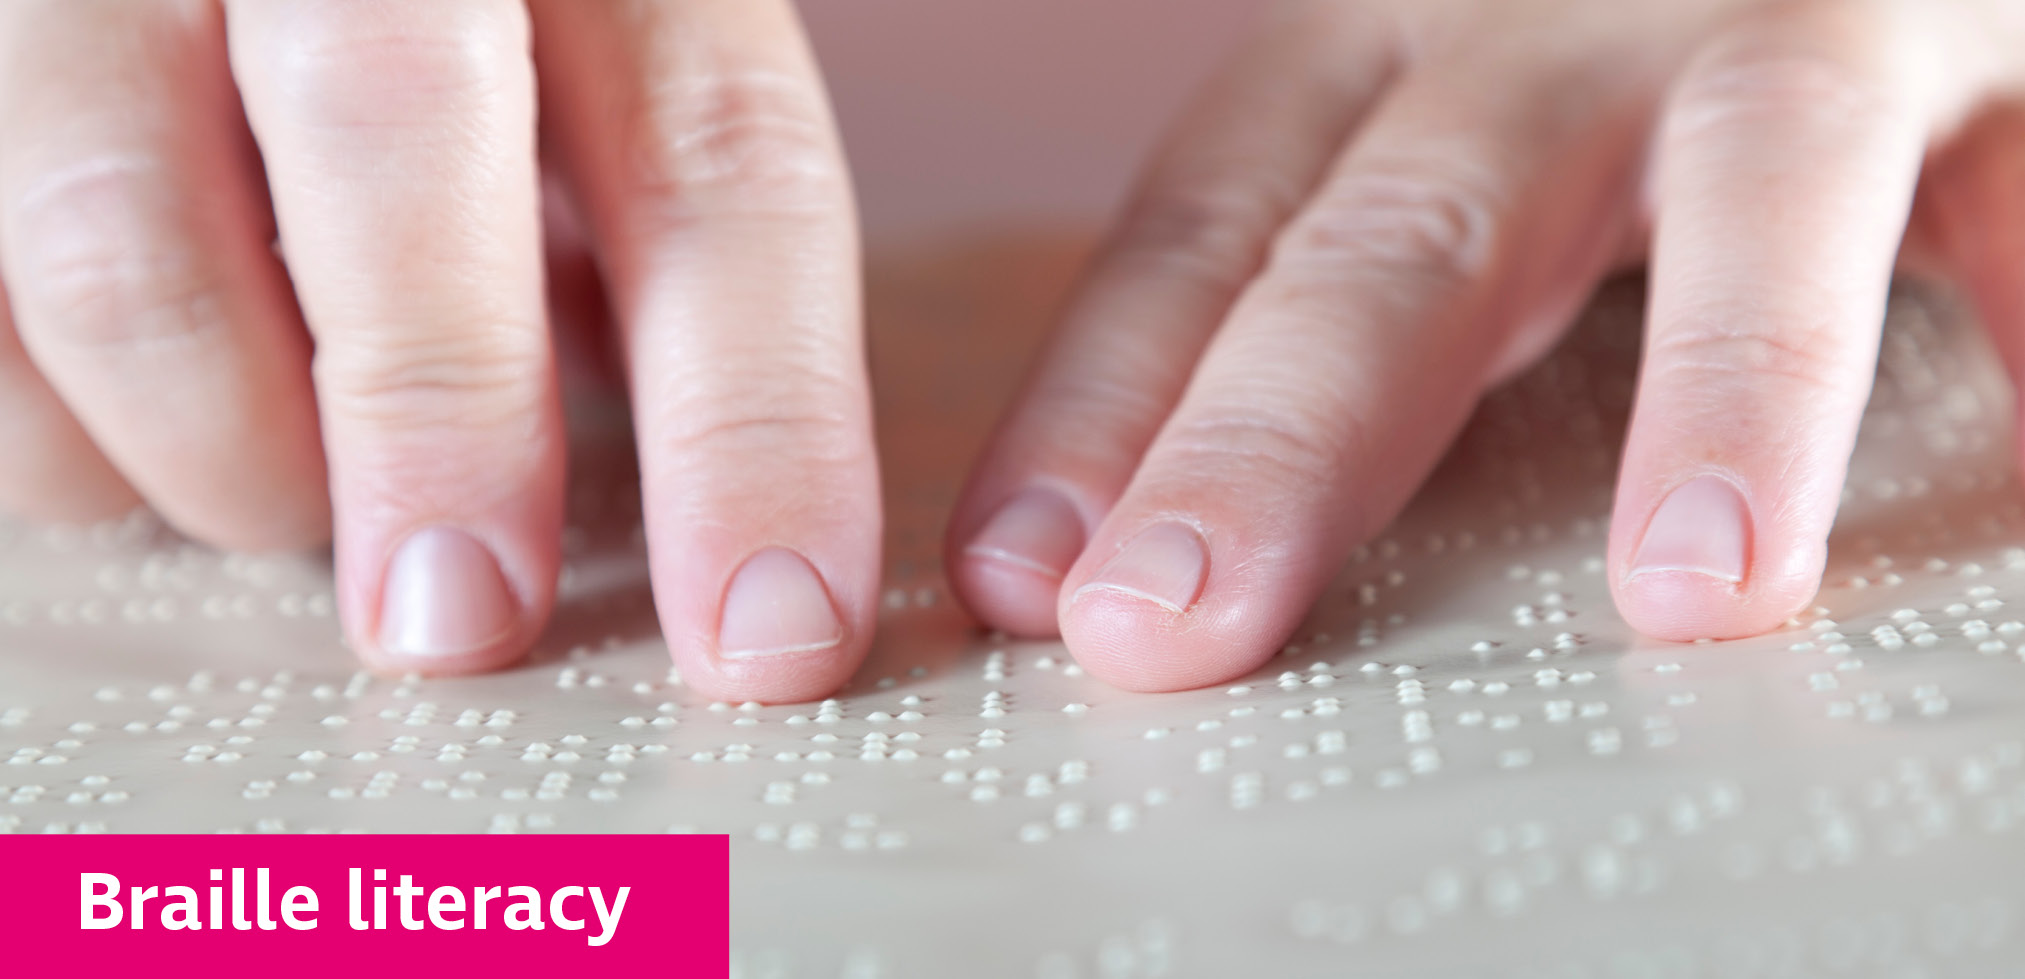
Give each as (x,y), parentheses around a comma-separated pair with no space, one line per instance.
(656,904)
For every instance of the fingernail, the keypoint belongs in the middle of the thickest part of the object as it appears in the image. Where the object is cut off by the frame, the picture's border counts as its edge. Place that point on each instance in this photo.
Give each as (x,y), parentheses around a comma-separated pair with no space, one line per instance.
(1164,565)
(1037,530)
(1703,526)
(444,596)
(776,604)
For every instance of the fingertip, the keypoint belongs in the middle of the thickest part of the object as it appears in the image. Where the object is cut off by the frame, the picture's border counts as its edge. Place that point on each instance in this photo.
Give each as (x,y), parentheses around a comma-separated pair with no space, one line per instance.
(1138,643)
(1684,606)
(1680,605)
(1008,595)
(1008,570)
(1107,632)
(476,662)
(490,659)
(779,635)
(1709,564)
(460,590)
(447,607)
(787,678)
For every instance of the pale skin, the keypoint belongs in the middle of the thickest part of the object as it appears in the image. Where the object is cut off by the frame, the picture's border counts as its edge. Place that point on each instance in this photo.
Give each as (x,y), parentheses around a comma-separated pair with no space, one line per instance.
(1379,209)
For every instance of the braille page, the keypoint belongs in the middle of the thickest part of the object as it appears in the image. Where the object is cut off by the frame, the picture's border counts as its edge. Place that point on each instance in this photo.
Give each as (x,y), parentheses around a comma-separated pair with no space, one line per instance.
(1464,764)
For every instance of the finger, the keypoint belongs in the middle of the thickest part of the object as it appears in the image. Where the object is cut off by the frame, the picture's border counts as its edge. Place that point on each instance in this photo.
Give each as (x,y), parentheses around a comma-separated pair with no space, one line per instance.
(1787,163)
(399,141)
(54,472)
(1974,196)
(1486,194)
(701,142)
(136,240)
(1230,175)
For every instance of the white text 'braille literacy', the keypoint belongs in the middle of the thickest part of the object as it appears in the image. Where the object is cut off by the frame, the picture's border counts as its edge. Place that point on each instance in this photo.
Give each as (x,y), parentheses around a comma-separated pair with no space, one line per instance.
(242,905)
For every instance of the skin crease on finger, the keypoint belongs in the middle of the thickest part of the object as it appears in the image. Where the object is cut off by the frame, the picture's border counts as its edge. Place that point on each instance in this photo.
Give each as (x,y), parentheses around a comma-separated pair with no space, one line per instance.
(1786,140)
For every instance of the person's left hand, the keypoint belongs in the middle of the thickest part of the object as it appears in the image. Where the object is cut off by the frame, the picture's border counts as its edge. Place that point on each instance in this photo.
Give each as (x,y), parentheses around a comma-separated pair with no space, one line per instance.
(387,377)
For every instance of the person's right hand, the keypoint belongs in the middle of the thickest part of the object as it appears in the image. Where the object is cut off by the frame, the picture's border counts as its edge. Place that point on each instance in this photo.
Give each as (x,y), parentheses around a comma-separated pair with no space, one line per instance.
(388,374)
(1384,207)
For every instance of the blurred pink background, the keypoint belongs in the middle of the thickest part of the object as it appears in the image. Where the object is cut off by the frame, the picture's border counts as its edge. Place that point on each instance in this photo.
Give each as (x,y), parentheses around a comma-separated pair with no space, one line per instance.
(1008,112)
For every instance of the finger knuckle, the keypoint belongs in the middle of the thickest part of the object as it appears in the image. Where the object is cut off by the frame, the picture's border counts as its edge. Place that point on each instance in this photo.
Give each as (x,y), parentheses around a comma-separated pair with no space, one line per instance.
(746,142)
(482,380)
(353,66)
(99,271)
(814,418)
(1072,399)
(1811,358)
(1406,219)
(1212,226)
(1754,80)
(1285,447)
(1090,421)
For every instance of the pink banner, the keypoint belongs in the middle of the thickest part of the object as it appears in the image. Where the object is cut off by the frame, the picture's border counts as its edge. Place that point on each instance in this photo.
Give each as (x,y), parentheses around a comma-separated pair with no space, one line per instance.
(352,905)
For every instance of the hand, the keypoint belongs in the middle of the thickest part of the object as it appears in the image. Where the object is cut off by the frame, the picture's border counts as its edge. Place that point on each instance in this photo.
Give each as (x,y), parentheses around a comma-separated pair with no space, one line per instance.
(1383,207)
(394,384)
